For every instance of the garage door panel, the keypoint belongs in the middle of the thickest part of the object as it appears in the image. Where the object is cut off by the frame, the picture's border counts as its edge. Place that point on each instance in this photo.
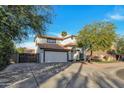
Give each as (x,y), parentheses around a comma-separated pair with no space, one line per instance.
(51,56)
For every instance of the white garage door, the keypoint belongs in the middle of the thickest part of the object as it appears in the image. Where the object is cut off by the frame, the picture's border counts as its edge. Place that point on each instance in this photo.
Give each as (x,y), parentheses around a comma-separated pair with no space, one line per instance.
(51,56)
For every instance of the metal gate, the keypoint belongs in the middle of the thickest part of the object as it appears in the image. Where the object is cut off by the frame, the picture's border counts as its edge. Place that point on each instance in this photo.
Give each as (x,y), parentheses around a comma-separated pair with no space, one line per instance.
(26,57)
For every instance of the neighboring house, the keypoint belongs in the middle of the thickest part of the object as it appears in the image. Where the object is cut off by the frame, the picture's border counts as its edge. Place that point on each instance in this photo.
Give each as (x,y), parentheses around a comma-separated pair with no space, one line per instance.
(55,49)
(26,50)
(29,50)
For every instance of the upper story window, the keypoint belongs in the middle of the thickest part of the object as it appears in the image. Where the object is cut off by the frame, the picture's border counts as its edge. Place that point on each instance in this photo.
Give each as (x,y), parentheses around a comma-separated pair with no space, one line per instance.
(51,41)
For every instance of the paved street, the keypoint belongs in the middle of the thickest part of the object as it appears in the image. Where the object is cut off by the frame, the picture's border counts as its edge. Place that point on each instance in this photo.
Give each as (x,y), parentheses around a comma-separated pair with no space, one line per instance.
(76,75)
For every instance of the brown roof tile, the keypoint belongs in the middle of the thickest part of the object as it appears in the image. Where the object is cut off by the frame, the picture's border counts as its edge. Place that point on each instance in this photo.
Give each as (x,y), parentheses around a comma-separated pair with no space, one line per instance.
(57,38)
(53,46)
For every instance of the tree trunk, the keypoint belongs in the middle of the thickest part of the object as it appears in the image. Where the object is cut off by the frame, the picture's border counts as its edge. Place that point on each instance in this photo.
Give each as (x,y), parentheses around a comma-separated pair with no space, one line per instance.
(90,57)
(84,54)
(119,57)
(91,53)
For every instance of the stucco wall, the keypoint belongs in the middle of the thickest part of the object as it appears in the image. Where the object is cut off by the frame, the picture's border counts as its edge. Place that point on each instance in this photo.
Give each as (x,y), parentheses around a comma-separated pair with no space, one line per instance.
(38,50)
(41,40)
(68,40)
(41,57)
(44,40)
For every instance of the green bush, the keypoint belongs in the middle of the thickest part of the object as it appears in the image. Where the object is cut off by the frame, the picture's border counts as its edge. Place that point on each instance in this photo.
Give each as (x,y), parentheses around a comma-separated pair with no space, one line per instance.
(6,50)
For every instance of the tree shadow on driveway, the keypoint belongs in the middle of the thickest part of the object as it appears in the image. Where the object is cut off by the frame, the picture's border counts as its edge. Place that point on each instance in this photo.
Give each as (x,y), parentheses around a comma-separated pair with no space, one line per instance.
(43,77)
(33,76)
(40,76)
(77,80)
(96,79)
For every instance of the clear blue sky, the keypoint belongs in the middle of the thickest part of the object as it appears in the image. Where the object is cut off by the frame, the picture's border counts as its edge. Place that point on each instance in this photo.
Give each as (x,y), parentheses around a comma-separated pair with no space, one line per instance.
(72,18)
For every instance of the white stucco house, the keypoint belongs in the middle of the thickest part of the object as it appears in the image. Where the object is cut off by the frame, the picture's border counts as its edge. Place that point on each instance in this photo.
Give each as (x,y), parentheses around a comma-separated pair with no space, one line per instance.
(56,49)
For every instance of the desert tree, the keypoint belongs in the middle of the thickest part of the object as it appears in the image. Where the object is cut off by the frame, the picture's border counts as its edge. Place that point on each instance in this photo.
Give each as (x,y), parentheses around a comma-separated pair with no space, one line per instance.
(119,46)
(18,22)
(96,36)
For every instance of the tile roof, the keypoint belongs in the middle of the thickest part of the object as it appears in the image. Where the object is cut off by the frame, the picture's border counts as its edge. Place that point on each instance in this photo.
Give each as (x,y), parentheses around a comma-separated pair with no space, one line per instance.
(50,37)
(53,46)
(57,38)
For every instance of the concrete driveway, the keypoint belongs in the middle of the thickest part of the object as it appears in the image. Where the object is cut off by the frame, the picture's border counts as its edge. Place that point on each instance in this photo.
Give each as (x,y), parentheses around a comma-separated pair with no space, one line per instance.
(69,75)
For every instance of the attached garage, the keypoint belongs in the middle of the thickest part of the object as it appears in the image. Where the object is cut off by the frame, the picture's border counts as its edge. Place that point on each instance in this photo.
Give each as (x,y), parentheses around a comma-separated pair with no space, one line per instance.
(53,53)
(53,56)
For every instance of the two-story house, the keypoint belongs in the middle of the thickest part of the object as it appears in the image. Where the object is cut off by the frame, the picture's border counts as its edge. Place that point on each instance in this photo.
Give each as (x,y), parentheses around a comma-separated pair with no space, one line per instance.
(55,49)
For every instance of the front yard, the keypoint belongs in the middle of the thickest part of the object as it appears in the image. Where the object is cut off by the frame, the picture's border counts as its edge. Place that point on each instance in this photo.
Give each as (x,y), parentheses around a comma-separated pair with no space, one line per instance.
(63,75)
(25,74)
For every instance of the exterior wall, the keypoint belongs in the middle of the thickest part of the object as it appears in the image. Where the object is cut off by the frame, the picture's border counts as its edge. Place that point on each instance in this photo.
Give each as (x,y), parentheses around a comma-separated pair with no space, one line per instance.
(58,41)
(68,40)
(41,40)
(44,40)
(41,57)
(65,41)
(37,49)
(41,53)
(70,55)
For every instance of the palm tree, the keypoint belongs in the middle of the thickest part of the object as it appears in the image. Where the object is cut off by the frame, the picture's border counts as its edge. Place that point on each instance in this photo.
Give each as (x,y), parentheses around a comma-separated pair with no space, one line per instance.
(64,33)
